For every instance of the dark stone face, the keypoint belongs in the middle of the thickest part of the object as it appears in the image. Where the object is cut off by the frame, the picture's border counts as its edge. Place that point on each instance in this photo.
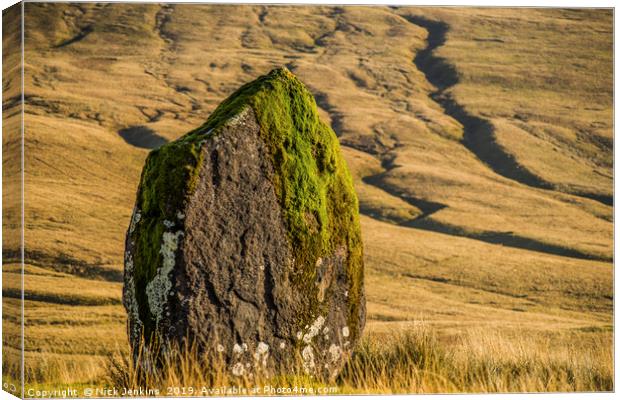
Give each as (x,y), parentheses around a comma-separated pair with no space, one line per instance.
(232,282)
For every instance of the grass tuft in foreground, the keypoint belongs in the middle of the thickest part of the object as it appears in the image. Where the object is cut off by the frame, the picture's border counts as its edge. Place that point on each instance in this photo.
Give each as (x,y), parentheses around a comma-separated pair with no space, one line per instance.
(416,362)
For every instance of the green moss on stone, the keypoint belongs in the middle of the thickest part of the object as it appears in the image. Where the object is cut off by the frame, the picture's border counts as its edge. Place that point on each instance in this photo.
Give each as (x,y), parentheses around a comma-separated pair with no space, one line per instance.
(312,183)
(164,181)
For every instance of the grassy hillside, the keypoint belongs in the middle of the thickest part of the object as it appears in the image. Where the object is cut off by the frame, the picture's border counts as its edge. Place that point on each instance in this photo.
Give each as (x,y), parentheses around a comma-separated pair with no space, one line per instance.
(11,187)
(480,141)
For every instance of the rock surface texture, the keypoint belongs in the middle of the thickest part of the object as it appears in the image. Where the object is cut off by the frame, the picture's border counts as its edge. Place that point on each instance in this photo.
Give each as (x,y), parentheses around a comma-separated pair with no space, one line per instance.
(245,238)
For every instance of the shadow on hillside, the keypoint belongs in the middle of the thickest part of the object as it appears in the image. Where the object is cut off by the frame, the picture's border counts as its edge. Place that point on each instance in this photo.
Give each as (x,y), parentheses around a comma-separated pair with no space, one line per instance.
(63,263)
(508,239)
(142,136)
(79,36)
(478,133)
(428,208)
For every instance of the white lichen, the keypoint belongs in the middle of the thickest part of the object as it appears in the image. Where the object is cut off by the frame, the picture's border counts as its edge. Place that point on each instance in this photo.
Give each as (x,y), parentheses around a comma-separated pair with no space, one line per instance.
(168,224)
(308,359)
(345,331)
(237,349)
(314,330)
(262,348)
(262,353)
(238,369)
(158,290)
(135,218)
(238,118)
(130,298)
(128,262)
(180,215)
(335,353)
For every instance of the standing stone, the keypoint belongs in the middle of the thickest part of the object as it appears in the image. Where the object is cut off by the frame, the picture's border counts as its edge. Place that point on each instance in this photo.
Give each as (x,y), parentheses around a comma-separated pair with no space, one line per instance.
(245,238)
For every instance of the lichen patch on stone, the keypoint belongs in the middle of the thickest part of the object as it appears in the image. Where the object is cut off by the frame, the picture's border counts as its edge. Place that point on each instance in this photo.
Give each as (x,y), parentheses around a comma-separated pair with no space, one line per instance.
(238,369)
(335,353)
(314,329)
(237,349)
(130,297)
(262,348)
(238,119)
(159,288)
(135,218)
(307,355)
(262,353)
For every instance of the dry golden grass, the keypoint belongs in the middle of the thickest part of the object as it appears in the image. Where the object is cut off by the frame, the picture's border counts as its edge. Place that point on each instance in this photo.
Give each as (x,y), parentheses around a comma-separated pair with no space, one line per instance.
(499,270)
(478,362)
(411,361)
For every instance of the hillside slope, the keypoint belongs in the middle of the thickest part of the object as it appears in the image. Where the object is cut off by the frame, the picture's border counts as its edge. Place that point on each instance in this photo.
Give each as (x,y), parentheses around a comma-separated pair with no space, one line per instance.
(480,141)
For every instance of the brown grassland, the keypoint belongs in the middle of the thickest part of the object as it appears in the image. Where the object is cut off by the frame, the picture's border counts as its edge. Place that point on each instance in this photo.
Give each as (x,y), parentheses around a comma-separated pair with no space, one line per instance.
(480,141)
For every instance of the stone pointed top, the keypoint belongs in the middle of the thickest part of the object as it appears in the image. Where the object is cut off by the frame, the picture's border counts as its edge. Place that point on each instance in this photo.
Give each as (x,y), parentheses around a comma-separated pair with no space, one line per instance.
(278,92)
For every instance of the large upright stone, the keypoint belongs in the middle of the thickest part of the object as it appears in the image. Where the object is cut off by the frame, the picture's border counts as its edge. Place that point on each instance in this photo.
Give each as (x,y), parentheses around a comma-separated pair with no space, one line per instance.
(245,238)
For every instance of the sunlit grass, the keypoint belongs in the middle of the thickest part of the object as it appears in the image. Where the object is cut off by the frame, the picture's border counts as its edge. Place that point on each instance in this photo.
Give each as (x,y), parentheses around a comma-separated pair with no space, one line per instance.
(413,361)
